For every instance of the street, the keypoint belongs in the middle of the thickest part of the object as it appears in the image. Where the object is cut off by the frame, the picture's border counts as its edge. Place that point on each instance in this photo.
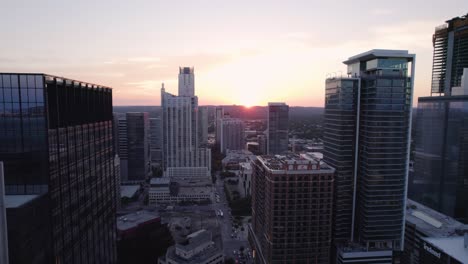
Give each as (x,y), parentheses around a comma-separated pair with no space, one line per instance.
(230,243)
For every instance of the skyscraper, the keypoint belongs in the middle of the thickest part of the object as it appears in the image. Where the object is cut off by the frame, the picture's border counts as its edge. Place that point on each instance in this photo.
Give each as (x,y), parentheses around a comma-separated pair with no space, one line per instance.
(180,129)
(186,81)
(138,150)
(367,139)
(278,128)
(232,134)
(56,136)
(202,125)
(156,141)
(292,201)
(450,42)
(440,177)
(219,114)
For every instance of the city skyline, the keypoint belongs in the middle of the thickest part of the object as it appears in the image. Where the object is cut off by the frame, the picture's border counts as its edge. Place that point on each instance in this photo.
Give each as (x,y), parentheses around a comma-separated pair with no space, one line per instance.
(276,52)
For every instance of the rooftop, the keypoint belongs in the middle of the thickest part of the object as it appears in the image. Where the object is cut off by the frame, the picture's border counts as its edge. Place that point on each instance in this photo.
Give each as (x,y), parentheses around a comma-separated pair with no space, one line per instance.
(294,162)
(133,220)
(376,53)
(432,223)
(13,201)
(276,104)
(160,181)
(128,190)
(195,239)
(452,246)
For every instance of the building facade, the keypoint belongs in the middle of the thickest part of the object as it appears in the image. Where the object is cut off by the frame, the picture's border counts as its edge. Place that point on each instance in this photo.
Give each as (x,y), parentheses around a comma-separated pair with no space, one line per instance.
(138,146)
(278,128)
(433,237)
(186,81)
(367,139)
(232,134)
(440,177)
(292,200)
(56,139)
(202,125)
(219,114)
(156,141)
(450,42)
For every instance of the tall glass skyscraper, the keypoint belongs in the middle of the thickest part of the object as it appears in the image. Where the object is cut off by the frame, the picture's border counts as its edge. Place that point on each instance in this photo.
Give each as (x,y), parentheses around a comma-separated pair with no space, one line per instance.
(440,177)
(278,128)
(56,140)
(367,140)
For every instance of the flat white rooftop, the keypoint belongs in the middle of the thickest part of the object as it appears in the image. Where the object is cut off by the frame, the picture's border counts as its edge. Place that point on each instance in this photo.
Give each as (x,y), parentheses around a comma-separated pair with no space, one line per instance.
(376,53)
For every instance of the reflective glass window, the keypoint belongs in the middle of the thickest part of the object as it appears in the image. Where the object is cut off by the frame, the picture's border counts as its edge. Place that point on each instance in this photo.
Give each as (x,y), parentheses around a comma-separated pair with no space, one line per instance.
(15,95)
(23,81)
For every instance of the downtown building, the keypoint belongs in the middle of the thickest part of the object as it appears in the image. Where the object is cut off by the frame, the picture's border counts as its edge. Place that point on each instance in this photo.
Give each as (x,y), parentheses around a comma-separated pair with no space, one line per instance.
(180,126)
(231,134)
(202,126)
(367,140)
(433,237)
(292,203)
(440,177)
(278,128)
(132,140)
(156,141)
(57,150)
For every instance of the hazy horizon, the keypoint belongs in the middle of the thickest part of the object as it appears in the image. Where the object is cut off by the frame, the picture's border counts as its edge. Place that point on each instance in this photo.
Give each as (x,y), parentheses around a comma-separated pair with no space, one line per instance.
(244,53)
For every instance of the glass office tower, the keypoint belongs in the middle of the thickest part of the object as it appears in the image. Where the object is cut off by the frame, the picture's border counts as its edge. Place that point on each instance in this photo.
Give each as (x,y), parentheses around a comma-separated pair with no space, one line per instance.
(441,155)
(278,128)
(440,177)
(56,139)
(367,139)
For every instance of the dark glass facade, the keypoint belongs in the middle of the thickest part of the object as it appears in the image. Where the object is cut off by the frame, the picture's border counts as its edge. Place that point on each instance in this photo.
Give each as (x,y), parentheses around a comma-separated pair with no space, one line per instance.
(441,155)
(341,97)
(278,128)
(56,139)
(366,138)
(138,148)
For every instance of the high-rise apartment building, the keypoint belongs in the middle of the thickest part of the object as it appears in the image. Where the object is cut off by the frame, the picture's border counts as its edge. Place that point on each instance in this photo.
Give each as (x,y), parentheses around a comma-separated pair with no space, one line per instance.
(156,141)
(278,128)
(202,125)
(186,81)
(138,147)
(56,136)
(450,42)
(232,134)
(367,139)
(440,177)
(292,200)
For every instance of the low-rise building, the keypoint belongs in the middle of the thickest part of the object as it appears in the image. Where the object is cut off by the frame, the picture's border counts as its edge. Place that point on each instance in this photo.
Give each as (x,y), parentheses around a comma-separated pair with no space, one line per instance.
(432,237)
(166,191)
(199,248)
(234,157)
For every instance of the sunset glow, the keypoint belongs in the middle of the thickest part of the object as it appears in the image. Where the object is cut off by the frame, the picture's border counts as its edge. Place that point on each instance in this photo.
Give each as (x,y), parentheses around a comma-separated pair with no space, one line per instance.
(281,53)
